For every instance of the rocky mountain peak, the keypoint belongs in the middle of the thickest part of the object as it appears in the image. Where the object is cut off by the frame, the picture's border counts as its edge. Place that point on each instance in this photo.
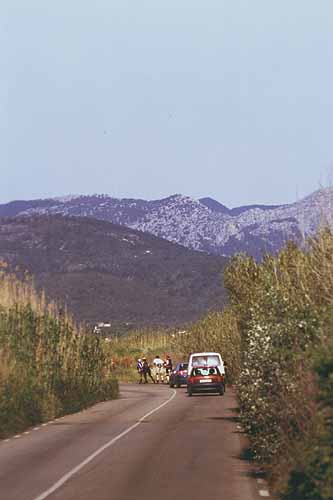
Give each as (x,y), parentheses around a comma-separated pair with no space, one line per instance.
(205,225)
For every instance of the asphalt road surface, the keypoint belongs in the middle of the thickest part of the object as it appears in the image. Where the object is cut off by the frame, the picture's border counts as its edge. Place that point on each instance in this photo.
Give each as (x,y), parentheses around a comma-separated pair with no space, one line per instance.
(152,443)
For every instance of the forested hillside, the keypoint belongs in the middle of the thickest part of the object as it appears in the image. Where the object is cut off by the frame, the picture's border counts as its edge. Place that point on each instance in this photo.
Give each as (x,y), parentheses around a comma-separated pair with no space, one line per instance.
(106,272)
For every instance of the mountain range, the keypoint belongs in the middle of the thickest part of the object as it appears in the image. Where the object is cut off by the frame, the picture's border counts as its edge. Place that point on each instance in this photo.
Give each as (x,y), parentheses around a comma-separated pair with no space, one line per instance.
(205,225)
(110,273)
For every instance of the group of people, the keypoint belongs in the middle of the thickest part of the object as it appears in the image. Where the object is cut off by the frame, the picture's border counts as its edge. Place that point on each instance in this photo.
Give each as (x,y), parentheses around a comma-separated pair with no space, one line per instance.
(158,373)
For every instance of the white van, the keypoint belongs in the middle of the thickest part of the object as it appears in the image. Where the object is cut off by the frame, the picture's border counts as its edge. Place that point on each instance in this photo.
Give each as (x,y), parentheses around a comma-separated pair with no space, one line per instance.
(205,359)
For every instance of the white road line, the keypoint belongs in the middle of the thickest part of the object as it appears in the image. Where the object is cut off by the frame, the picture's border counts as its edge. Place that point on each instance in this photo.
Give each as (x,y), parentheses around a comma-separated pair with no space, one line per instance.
(264,493)
(17,436)
(91,457)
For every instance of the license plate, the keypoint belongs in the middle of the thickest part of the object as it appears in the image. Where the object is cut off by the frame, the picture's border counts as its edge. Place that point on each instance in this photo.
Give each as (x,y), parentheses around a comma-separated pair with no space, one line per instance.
(205,380)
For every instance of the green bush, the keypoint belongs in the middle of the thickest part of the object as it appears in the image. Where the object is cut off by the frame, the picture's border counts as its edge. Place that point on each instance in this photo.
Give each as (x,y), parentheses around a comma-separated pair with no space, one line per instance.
(283,308)
(311,478)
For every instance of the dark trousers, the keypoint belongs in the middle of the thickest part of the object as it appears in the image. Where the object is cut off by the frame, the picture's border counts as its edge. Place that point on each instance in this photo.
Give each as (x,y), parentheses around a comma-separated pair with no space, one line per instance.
(148,373)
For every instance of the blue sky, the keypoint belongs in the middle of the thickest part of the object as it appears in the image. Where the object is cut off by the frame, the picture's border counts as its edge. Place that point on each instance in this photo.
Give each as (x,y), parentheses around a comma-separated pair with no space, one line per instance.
(146,98)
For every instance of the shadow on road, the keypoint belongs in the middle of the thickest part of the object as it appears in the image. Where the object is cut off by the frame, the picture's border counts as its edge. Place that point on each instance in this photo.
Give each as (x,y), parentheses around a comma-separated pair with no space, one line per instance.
(232,418)
(227,419)
(247,455)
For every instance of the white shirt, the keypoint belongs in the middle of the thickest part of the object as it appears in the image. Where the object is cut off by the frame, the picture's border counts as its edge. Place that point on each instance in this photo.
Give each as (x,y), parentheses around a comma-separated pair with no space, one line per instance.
(158,362)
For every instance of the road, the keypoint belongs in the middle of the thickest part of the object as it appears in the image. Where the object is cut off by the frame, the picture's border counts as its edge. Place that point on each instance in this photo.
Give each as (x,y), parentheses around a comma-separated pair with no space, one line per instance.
(184,448)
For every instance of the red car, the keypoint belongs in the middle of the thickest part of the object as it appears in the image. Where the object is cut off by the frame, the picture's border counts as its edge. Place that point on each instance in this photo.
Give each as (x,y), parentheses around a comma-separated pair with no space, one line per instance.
(205,379)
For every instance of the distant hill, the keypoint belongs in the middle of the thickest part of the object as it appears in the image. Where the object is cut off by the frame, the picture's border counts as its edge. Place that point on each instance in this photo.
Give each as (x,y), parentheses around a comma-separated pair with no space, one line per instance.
(205,225)
(216,206)
(106,272)
(17,207)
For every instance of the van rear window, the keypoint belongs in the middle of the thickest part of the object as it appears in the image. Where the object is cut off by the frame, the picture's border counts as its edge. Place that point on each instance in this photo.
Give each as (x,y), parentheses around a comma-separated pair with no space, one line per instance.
(205,360)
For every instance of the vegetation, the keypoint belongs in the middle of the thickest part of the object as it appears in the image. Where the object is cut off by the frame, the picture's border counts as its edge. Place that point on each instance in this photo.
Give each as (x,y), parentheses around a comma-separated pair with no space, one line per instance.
(284,314)
(216,332)
(126,349)
(276,336)
(48,366)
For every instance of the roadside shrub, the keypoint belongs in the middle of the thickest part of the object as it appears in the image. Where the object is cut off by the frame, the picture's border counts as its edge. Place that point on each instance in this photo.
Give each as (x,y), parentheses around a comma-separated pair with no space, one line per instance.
(283,307)
(311,477)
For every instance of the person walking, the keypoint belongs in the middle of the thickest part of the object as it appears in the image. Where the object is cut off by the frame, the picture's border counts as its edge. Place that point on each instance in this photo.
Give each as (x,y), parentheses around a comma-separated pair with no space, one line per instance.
(147,371)
(226,374)
(159,369)
(168,367)
(139,368)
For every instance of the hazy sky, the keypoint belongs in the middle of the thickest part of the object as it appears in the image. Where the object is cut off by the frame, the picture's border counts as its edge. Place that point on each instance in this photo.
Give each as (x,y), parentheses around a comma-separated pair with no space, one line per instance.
(145,98)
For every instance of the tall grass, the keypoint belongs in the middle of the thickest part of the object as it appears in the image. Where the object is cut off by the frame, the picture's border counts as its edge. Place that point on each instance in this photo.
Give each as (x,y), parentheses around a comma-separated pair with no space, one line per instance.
(218,331)
(49,366)
(285,317)
(126,349)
